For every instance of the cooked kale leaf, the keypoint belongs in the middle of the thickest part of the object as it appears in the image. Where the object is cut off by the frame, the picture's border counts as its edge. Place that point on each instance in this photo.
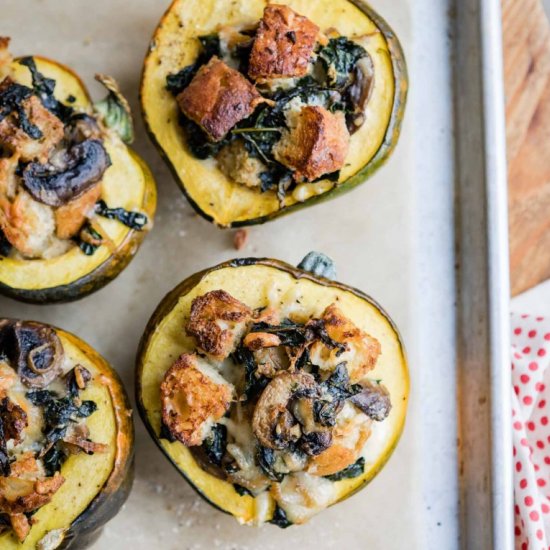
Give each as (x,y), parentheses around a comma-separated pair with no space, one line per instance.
(133,220)
(215,444)
(177,82)
(11,100)
(59,413)
(254,383)
(44,89)
(339,58)
(87,247)
(336,389)
(266,460)
(242,491)
(354,470)
(280,518)
(295,335)
(5,245)
(5,468)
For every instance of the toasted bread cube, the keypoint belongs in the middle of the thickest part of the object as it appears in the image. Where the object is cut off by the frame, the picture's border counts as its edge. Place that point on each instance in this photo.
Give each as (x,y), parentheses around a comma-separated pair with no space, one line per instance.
(316,144)
(348,440)
(218,322)
(70,217)
(217,98)
(15,140)
(362,350)
(283,46)
(28,225)
(193,396)
(237,164)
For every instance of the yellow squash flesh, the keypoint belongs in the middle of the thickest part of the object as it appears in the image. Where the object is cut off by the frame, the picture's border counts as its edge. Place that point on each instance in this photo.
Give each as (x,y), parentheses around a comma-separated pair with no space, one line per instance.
(86,476)
(215,196)
(127,183)
(255,285)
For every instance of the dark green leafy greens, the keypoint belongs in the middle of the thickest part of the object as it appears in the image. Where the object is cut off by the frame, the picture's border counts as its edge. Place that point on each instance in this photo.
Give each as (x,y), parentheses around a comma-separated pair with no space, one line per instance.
(11,100)
(59,413)
(5,468)
(242,491)
(92,242)
(215,444)
(336,389)
(339,59)
(133,220)
(5,246)
(210,47)
(263,129)
(266,460)
(353,470)
(280,518)
(296,335)
(254,382)
(44,89)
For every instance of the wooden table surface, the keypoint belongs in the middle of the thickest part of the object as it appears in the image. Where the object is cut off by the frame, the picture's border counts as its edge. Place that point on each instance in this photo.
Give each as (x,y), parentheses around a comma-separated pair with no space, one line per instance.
(526,30)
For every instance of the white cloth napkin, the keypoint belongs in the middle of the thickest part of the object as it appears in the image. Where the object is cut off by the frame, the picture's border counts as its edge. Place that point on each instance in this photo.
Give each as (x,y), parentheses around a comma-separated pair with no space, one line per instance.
(531,422)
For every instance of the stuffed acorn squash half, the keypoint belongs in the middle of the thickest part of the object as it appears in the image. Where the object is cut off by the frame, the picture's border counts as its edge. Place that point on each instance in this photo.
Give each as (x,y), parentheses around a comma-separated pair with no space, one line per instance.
(66,439)
(75,201)
(261,108)
(274,391)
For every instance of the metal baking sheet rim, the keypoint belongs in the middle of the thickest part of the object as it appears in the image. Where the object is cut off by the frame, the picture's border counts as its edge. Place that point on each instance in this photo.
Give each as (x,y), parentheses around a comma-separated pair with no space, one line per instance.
(483,346)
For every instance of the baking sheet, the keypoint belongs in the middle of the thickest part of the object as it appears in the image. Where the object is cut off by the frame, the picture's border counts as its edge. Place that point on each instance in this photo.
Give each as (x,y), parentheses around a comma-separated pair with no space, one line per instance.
(393,238)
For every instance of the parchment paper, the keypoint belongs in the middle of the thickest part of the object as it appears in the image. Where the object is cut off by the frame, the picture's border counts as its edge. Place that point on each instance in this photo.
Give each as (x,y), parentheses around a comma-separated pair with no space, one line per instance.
(368,232)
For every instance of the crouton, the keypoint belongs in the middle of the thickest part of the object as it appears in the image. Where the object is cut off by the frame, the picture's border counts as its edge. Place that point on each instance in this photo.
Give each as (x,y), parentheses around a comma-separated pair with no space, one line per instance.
(193,397)
(237,164)
(283,46)
(8,177)
(28,225)
(70,217)
(218,321)
(22,495)
(362,350)
(217,98)
(15,140)
(316,144)
(348,439)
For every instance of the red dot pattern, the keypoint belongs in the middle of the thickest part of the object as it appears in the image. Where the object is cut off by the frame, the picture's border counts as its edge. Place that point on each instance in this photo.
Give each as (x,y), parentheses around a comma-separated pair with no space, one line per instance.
(531,430)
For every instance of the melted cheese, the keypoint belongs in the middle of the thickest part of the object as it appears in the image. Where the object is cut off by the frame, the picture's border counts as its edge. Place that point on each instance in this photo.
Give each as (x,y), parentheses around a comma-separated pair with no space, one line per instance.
(300,495)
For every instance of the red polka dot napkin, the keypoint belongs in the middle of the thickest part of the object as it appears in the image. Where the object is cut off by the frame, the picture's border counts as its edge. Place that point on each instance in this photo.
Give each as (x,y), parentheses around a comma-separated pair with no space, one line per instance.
(531,418)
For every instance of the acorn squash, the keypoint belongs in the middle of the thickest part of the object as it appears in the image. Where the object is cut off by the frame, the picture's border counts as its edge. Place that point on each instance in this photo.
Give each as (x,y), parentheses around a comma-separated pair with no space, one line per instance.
(176,45)
(260,283)
(127,187)
(77,427)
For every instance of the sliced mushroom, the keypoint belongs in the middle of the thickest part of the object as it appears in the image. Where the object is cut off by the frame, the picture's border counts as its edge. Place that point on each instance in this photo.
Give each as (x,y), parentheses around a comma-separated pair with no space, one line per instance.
(83,165)
(33,349)
(273,423)
(360,92)
(193,396)
(373,400)
(81,127)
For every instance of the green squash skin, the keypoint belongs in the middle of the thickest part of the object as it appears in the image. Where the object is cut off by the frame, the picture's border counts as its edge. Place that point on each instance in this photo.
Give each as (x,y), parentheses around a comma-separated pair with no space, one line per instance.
(389,142)
(87,527)
(171,299)
(101,275)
